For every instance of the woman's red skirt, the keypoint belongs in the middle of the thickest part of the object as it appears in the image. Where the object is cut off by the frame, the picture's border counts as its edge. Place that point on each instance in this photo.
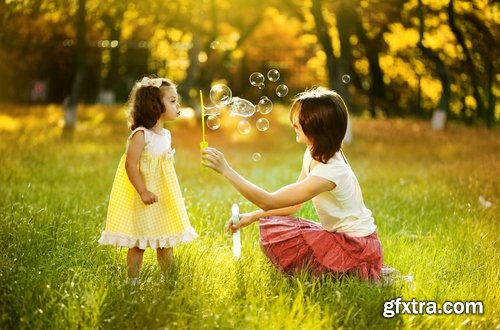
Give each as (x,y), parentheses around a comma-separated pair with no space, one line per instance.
(294,244)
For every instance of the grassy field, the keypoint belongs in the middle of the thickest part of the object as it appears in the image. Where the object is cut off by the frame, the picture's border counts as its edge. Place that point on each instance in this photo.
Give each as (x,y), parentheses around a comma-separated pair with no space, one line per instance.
(435,196)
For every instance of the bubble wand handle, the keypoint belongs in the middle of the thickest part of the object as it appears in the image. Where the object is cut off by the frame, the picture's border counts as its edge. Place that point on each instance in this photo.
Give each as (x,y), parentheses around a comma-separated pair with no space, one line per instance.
(202,117)
(235,218)
(203,143)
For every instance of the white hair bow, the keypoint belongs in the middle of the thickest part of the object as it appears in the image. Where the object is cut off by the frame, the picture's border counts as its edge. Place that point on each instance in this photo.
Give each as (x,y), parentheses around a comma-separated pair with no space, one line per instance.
(154,82)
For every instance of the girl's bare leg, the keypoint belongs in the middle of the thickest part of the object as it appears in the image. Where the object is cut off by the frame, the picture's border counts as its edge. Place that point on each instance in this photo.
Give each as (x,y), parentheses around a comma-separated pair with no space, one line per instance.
(134,262)
(165,257)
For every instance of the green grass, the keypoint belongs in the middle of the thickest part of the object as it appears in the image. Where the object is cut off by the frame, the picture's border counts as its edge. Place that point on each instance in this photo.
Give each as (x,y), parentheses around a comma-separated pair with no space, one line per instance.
(422,186)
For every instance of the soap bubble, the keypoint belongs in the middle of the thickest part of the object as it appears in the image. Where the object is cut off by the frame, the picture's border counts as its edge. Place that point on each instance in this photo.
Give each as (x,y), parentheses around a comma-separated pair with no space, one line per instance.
(213,122)
(214,111)
(346,78)
(221,95)
(273,75)
(282,90)
(241,107)
(265,105)
(257,79)
(256,156)
(244,127)
(262,124)
(261,86)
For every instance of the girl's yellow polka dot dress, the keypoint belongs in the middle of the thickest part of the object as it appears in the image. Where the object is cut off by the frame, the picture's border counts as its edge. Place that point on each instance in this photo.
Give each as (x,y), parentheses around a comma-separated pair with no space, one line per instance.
(130,222)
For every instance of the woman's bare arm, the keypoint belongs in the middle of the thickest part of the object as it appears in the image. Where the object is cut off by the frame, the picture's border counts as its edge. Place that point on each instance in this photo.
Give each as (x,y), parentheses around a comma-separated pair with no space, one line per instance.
(287,196)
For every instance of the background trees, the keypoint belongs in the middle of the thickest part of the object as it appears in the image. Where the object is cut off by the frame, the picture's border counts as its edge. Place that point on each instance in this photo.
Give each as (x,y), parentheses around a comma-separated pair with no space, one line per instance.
(403,57)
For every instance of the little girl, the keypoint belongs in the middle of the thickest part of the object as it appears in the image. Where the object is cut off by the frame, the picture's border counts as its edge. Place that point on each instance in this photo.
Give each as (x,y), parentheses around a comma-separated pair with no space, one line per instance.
(344,242)
(146,208)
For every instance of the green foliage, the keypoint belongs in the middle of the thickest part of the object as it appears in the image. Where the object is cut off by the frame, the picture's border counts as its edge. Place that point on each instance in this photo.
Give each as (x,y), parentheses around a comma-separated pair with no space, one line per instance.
(423,187)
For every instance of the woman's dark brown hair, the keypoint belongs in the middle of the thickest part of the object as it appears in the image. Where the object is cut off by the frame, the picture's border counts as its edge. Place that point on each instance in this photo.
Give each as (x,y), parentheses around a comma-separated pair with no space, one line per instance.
(145,102)
(323,116)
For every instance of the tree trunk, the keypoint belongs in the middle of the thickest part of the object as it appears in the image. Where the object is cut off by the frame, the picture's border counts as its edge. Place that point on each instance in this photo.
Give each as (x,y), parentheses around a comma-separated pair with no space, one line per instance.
(377,90)
(490,58)
(71,103)
(468,59)
(441,70)
(490,116)
(193,71)
(346,19)
(112,78)
(325,41)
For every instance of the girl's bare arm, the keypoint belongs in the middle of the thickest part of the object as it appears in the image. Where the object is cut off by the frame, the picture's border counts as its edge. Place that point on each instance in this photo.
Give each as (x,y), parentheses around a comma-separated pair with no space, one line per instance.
(134,150)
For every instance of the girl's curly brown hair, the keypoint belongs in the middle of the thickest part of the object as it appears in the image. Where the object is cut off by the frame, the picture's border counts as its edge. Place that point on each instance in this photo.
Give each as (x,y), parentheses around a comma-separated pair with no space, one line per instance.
(146,105)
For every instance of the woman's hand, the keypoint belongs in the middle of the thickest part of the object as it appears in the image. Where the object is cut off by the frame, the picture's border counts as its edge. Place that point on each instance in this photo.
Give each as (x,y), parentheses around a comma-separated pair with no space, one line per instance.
(214,159)
(148,197)
(245,220)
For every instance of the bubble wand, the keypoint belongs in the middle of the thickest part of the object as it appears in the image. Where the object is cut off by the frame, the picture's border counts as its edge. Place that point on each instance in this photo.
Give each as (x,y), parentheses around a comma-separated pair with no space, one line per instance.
(235,218)
(203,143)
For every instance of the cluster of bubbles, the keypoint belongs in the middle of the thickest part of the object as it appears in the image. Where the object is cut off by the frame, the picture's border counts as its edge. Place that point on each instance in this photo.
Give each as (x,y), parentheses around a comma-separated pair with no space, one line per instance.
(257,79)
(222,98)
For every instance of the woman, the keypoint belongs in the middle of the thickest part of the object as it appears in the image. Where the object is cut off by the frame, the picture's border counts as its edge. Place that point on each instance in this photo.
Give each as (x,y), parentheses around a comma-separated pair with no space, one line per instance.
(345,241)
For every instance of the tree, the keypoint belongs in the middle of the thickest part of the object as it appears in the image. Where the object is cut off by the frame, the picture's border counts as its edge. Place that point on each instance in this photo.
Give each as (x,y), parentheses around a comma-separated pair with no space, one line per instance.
(387,47)
(468,59)
(112,19)
(325,40)
(475,30)
(70,105)
(442,71)
(372,23)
